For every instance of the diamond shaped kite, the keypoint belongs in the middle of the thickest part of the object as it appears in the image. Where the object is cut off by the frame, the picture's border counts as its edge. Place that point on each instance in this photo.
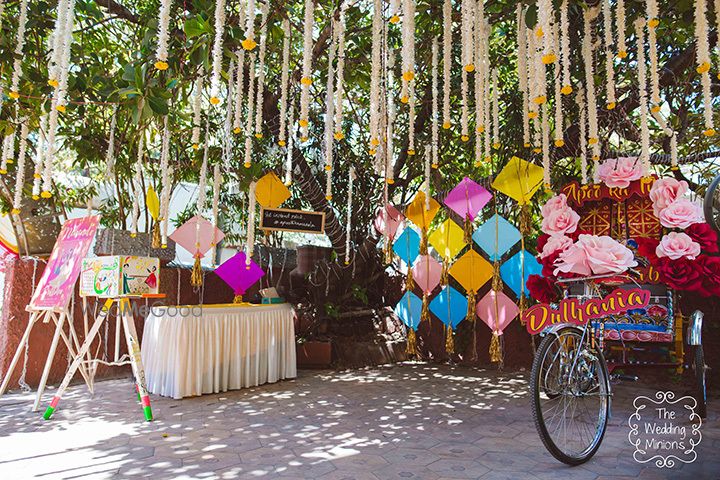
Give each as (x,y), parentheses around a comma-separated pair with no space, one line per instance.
(496,236)
(409,310)
(388,220)
(426,273)
(519,180)
(497,311)
(450,306)
(511,271)
(416,213)
(471,271)
(467,198)
(447,239)
(407,245)
(270,191)
(235,273)
(197,236)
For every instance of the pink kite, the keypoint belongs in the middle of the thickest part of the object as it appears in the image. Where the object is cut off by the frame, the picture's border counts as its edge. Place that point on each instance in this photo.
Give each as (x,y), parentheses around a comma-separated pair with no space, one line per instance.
(426,273)
(388,220)
(498,315)
(197,236)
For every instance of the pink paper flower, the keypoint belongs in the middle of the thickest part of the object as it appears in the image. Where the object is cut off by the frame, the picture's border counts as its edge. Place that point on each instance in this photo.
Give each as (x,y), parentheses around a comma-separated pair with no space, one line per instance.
(597,255)
(676,245)
(555,243)
(573,260)
(619,172)
(665,191)
(560,221)
(558,202)
(681,214)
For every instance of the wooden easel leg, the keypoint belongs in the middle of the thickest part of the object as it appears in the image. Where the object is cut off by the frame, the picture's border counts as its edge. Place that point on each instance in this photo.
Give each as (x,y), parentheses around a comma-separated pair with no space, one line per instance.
(49,360)
(78,359)
(20,348)
(74,347)
(135,357)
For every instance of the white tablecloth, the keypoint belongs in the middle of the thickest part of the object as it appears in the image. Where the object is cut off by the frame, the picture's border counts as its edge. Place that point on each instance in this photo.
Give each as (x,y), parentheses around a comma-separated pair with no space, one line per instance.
(217,348)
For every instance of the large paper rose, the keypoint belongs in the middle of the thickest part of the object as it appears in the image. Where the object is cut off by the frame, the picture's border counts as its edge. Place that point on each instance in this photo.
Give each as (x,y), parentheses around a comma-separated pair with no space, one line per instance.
(560,222)
(710,275)
(554,244)
(665,191)
(681,214)
(619,172)
(606,255)
(542,289)
(647,247)
(573,260)
(558,202)
(705,235)
(676,245)
(681,274)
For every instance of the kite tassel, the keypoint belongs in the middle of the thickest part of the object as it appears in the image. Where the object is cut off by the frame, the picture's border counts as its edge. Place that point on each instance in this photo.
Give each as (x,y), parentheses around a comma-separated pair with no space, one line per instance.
(471,306)
(196,278)
(496,281)
(425,313)
(524,220)
(237,299)
(449,340)
(445,276)
(424,242)
(522,306)
(495,350)
(388,251)
(156,241)
(409,280)
(467,230)
(411,349)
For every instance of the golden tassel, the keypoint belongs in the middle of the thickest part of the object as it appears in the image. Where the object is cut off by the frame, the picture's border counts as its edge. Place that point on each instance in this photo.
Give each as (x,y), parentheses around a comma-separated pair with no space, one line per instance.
(424,242)
(524,220)
(449,340)
(156,240)
(467,230)
(411,343)
(445,276)
(237,299)
(425,313)
(388,251)
(495,354)
(471,306)
(196,278)
(522,306)
(409,281)
(496,280)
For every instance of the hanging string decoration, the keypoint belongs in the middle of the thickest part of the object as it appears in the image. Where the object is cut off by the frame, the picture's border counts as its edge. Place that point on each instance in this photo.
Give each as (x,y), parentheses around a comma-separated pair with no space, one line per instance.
(137,186)
(467,19)
(8,152)
(435,116)
(165,170)
(249,111)
(522,71)
(545,113)
(330,116)
(339,84)
(306,79)
(19,48)
(642,98)
(559,139)
(481,87)
(620,20)
(375,76)
(110,154)
(39,157)
(546,17)
(249,42)
(447,61)
(261,72)
(702,55)
(580,100)
(217,52)
(197,109)
(652,14)
(565,49)
(284,76)
(391,114)
(496,110)
(161,53)
(217,179)
(20,174)
(58,36)
(348,220)
(587,53)
(64,58)
(408,67)
(609,55)
(289,154)
(196,277)
(484,63)
(250,241)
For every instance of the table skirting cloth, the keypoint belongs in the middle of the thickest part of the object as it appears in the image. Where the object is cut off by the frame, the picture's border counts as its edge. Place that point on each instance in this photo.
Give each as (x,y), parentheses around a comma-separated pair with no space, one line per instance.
(194,350)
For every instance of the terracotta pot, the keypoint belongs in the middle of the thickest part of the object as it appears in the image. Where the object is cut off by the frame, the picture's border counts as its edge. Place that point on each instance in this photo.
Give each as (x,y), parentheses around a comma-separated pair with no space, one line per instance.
(314,354)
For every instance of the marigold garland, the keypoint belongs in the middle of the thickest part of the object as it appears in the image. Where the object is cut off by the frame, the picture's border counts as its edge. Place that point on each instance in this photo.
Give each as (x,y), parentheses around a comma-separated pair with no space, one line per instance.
(249,42)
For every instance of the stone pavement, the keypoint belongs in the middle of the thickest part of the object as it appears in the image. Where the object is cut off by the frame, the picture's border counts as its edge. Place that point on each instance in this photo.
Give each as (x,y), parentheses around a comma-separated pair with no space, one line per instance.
(410,421)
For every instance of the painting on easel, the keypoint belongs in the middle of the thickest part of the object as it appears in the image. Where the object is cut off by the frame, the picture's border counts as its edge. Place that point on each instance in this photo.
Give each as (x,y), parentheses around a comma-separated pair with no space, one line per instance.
(119,275)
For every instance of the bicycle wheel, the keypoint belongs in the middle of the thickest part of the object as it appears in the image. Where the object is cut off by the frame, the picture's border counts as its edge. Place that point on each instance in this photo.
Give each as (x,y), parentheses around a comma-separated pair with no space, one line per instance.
(571,404)
(700,387)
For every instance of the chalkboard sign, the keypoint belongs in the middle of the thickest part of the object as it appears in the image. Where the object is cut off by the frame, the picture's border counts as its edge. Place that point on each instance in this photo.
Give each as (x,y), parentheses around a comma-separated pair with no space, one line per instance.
(292,220)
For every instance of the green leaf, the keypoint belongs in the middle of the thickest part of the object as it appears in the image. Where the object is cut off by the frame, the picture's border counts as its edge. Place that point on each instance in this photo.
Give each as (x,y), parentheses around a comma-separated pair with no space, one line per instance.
(531,16)
(128,73)
(194,27)
(158,105)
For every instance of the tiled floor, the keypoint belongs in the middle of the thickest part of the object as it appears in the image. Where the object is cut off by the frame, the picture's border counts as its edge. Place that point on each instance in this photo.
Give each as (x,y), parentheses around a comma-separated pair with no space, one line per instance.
(411,421)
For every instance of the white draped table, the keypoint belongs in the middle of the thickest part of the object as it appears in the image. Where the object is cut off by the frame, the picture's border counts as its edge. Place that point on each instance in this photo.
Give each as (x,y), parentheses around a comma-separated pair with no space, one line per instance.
(191,351)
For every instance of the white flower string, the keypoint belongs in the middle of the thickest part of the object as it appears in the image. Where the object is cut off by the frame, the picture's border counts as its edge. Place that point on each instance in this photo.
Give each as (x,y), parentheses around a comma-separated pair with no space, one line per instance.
(306,79)
(580,100)
(426,173)
(565,49)
(652,23)
(58,36)
(137,186)
(544,31)
(197,109)
(716,5)
(496,110)
(284,77)
(545,113)
(480,73)
(217,52)
(39,162)
(250,241)
(330,116)
(375,76)
(161,54)
(522,71)
(49,155)
(464,107)
(8,152)
(227,140)
(411,119)
(467,19)
(259,95)
(249,42)
(348,220)
(64,67)
(435,119)
(620,29)
(531,50)
(249,111)
(642,97)
(19,47)
(702,52)
(587,53)
(339,84)
(559,139)
(484,64)
(110,154)
(202,181)
(447,61)
(407,51)
(395,11)
(165,179)
(289,154)
(653,17)
(20,174)
(610,101)
(391,113)
(217,179)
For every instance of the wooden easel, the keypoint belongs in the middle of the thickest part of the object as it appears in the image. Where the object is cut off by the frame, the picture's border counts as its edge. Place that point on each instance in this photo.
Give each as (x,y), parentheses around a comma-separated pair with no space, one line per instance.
(133,345)
(71,342)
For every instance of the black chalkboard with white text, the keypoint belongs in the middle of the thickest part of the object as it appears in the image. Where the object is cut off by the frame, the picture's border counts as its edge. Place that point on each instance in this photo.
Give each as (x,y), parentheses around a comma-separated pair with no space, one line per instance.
(292,220)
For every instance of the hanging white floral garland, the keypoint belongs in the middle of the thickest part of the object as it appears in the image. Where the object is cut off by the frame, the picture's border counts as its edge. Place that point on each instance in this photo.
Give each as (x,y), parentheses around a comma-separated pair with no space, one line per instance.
(702,52)
(484,66)
(226,142)
(19,48)
(217,52)
(249,42)
(306,79)
(49,156)
(580,100)
(447,61)
(375,76)
(239,84)
(58,36)
(161,53)
(653,17)
(330,115)
(391,114)
(545,113)
(559,139)
(620,29)
(544,31)
(289,154)
(522,71)
(435,119)
(339,83)
(408,67)
(110,154)
(137,185)
(642,98)
(259,96)
(464,107)
(467,19)
(531,51)
(652,22)
(496,110)
(610,101)
(587,53)
(565,49)
(348,219)
(39,157)
(64,67)
(197,109)
(166,175)
(480,72)
(394,11)
(20,174)
(8,152)
(196,278)
(284,77)
(250,110)
(217,179)
(250,242)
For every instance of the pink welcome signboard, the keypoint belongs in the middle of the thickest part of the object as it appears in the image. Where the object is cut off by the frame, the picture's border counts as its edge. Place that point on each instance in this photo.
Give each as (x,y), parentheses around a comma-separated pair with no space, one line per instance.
(57,283)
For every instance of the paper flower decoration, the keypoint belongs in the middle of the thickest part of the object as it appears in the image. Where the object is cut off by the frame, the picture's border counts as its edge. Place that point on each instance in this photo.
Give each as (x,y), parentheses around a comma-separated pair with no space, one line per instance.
(388,221)
(497,311)
(450,306)
(467,198)
(471,271)
(197,235)
(496,236)
(512,271)
(270,191)
(426,273)
(408,310)
(519,180)
(417,213)
(237,275)
(447,239)
(407,246)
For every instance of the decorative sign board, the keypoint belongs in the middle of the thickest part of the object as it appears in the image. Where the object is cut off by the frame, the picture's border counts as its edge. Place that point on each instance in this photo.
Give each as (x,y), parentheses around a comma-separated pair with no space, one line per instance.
(57,283)
(292,220)
(119,275)
(578,194)
(570,310)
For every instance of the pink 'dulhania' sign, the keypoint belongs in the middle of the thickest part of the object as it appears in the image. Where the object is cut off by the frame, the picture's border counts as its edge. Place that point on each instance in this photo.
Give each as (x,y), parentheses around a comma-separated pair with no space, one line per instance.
(57,284)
